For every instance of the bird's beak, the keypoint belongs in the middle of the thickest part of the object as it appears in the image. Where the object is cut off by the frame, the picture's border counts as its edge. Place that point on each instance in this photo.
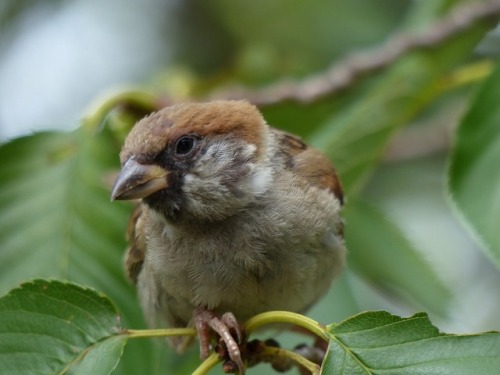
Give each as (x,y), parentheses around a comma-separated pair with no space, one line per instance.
(137,181)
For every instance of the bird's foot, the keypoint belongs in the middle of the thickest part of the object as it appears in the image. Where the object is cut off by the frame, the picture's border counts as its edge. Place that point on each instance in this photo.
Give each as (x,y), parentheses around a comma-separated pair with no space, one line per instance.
(231,337)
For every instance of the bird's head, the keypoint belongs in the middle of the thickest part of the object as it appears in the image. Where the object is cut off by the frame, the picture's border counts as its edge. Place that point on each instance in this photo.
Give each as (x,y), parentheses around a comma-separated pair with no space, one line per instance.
(203,161)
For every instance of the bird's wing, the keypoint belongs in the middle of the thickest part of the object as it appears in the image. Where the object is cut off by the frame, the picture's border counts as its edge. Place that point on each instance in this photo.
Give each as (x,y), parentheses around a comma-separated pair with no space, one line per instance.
(134,256)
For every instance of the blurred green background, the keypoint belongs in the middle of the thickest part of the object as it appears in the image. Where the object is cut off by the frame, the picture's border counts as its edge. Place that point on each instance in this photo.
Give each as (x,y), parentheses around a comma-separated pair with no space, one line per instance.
(390,135)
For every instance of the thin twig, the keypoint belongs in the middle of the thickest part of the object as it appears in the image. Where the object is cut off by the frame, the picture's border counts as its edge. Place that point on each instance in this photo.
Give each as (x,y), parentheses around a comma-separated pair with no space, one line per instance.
(207,365)
(274,352)
(271,317)
(166,332)
(349,71)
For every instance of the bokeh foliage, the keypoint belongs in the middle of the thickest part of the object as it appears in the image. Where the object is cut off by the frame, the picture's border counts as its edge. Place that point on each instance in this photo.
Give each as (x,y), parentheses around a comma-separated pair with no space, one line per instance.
(56,220)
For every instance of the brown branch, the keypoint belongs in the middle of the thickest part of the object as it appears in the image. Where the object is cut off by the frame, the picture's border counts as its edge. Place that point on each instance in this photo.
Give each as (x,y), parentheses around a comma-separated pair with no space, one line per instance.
(349,71)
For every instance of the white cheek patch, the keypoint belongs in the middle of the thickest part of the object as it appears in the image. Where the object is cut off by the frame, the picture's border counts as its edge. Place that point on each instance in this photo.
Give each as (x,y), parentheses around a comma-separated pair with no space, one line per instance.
(189,178)
(261,180)
(222,161)
(250,150)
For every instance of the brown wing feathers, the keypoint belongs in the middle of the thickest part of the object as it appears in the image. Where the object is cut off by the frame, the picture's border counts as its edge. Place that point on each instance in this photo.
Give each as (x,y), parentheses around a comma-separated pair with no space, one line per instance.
(310,164)
(134,256)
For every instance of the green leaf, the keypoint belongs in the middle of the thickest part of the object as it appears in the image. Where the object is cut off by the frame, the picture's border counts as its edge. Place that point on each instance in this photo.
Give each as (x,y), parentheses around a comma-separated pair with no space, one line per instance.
(381,343)
(474,173)
(55,216)
(50,327)
(102,358)
(380,252)
(356,136)
(57,221)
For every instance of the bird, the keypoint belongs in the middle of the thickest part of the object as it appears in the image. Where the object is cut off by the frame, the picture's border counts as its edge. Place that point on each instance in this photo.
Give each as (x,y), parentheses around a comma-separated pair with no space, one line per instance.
(235,218)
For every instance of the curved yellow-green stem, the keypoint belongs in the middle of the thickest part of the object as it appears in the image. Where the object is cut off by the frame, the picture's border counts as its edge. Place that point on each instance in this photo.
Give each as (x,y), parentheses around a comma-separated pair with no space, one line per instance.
(286,317)
(207,365)
(313,368)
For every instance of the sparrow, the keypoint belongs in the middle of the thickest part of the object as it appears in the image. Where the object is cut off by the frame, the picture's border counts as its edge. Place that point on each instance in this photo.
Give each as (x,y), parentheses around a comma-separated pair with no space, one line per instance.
(235,218)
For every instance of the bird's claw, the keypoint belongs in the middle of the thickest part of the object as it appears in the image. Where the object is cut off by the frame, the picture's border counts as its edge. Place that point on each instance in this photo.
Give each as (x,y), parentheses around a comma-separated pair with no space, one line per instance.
(223,326)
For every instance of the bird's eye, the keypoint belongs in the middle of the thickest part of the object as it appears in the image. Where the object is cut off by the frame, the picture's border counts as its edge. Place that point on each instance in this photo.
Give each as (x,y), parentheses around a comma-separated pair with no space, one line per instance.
(184,145)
